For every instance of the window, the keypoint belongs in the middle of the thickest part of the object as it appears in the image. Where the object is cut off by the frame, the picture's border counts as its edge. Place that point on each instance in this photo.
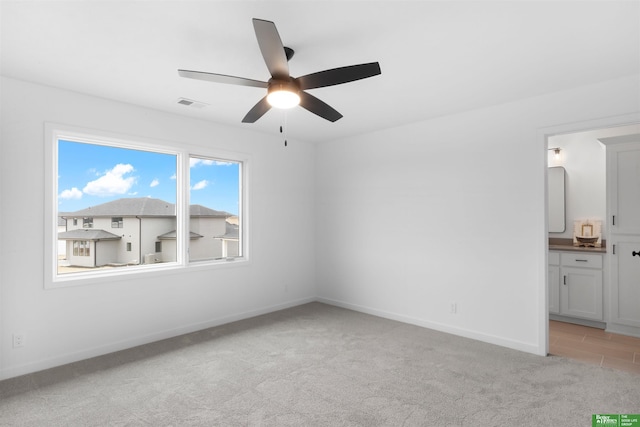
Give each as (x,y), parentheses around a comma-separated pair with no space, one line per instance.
(174,205)
(81,248)
(214,220)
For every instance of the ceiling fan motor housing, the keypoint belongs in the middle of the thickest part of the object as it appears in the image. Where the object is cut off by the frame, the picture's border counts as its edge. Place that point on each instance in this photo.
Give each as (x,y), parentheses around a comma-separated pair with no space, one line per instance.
(290,85)
(283,93)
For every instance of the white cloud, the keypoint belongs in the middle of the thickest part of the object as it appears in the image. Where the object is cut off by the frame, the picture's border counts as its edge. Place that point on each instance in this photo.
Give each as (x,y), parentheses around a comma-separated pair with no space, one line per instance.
(194,161)
(74,193)
(173,176)
(200,185)
(112,182)
(154,182)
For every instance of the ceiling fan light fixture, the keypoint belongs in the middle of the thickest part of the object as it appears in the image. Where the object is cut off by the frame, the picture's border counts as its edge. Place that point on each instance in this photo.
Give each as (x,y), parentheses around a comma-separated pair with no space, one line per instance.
(283,95)
(284,91)
(283,99)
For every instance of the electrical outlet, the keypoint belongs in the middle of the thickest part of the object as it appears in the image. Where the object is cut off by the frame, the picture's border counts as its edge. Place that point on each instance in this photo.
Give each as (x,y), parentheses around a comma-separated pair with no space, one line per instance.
(454,308)
(18,340)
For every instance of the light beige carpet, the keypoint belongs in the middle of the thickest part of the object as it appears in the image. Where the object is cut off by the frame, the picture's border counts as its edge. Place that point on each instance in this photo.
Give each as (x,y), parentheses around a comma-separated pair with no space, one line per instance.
(318,365)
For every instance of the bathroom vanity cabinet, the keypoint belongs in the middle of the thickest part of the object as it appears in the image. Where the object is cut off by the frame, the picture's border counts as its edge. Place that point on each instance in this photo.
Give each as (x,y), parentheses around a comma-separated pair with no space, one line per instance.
(575,284)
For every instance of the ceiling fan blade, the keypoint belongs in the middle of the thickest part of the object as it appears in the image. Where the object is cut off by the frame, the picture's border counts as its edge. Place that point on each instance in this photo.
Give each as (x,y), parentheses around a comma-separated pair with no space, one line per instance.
(221,78)
(337,76)
(317,107)
(257,111)
(272,48)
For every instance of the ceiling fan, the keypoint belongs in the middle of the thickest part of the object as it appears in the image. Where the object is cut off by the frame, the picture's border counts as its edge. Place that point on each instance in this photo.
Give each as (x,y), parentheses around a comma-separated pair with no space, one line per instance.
(284,91)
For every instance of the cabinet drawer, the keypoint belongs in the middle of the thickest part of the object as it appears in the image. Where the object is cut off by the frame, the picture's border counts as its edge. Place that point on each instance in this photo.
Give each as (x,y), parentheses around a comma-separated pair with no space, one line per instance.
(554,258)
(581,260)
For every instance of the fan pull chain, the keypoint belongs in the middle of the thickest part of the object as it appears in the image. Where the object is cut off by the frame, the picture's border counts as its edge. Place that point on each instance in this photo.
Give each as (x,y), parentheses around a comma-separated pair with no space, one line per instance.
(285,127)
(285,138)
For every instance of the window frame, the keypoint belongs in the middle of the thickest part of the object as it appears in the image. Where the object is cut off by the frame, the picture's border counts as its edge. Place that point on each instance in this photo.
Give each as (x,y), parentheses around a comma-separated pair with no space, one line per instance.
(183,152)
(83,246)
(119,223)
(241,248)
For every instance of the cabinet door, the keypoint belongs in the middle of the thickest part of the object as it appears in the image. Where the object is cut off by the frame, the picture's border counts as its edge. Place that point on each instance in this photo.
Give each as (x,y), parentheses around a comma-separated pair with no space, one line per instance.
(623,169)
(625,279)
(554,289)
(623,205)
(581,293)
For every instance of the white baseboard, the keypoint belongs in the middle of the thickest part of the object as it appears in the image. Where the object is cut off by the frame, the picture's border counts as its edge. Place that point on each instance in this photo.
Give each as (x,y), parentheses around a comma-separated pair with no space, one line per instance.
(170,333)
(466,333)
(88,353)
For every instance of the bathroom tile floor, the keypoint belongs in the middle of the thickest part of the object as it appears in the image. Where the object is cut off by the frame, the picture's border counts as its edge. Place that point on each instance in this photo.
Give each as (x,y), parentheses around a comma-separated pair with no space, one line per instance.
(592,345)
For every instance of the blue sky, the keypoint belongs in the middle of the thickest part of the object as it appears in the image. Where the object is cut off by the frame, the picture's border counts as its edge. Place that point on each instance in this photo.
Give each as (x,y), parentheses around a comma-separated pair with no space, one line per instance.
(90,175)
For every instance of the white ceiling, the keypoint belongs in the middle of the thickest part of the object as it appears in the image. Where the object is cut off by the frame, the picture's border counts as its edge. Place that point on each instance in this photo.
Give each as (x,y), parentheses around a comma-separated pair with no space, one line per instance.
(436,57)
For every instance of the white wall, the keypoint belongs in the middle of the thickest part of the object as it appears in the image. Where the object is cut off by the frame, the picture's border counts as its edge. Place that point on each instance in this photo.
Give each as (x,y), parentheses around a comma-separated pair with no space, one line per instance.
(451,210)
(407,221)
(62,325)
(584,159)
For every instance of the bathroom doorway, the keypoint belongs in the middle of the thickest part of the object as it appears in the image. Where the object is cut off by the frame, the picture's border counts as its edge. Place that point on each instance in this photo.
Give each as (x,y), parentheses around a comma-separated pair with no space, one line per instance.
(573,333)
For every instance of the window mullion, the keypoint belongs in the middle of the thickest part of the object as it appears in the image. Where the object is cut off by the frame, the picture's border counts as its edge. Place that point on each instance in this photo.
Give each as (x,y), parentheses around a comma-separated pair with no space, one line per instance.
(182,208)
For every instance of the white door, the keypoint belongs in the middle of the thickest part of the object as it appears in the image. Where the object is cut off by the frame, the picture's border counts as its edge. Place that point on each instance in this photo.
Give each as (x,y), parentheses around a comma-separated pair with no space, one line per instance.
(623,221)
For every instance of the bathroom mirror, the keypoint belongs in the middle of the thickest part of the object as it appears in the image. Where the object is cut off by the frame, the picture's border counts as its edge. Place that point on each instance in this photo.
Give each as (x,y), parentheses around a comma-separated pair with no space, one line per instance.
(556,202)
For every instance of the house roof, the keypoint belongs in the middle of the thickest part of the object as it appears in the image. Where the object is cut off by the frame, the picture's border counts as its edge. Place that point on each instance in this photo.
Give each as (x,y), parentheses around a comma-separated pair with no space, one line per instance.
(143,206)
(171,235)
(232,232)
(87,234)
(200,211)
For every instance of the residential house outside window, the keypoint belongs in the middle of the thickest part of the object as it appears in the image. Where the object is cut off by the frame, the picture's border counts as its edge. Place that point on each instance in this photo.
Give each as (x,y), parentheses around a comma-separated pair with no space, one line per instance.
(173,205)
(214,183)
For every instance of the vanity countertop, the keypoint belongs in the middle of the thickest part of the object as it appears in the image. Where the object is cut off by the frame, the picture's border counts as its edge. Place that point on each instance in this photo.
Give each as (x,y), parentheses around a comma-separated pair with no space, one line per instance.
(558,244)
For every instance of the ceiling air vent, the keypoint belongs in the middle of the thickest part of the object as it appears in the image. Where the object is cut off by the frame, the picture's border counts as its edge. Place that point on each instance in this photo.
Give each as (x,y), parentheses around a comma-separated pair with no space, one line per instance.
(191,103)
